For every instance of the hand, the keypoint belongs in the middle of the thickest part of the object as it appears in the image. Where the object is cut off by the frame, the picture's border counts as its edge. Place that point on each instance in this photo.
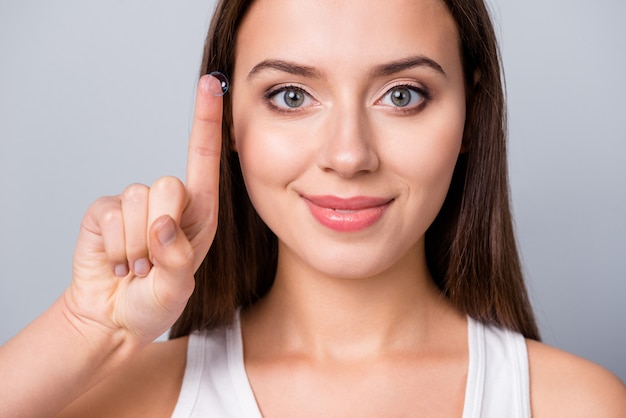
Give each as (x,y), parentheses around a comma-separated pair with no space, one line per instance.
(137,252)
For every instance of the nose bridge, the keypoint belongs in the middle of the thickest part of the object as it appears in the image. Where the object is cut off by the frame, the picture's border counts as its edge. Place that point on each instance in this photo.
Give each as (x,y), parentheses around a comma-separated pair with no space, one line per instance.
(349,147)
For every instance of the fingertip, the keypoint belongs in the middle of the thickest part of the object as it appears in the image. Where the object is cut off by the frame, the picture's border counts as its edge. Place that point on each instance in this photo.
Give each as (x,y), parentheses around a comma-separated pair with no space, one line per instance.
(121,270)
(215,84)
(209,101)
(142,267)
(204,83)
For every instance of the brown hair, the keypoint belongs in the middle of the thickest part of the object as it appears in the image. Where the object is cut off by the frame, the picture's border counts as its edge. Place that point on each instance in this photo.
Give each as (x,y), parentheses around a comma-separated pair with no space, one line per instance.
(470,247)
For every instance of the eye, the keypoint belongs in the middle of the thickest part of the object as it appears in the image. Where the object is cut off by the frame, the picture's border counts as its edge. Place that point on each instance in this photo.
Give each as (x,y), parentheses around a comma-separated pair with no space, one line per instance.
(288,98)
(405,97)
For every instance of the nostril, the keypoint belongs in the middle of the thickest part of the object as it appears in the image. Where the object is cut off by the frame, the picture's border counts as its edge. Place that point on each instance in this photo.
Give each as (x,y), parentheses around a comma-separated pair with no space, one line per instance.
(349,148)
(348,162)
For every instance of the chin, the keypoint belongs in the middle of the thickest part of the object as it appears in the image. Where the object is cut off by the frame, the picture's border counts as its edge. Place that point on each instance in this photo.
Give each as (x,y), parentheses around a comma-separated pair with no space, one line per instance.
(349,267)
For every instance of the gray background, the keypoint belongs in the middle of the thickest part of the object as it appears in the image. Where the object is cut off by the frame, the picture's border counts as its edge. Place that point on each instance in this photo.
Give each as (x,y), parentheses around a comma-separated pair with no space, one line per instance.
(97,95)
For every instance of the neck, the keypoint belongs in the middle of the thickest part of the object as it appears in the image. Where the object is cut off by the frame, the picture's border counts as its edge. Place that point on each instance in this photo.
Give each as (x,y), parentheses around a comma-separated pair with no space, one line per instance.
(327,317)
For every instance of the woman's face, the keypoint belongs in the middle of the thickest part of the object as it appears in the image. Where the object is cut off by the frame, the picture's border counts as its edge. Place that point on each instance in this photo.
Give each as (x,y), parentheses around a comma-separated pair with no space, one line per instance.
(348,119)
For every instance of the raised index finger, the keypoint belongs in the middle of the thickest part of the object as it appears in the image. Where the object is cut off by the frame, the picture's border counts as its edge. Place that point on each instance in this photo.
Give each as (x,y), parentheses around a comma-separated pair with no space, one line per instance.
(203,160)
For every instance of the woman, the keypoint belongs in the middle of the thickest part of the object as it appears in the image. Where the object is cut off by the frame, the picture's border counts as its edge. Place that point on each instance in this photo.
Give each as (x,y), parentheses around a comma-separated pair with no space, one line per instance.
(386,281)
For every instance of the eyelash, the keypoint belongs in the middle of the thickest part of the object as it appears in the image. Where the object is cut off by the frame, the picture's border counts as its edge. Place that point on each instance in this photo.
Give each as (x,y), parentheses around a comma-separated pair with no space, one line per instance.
(423,92)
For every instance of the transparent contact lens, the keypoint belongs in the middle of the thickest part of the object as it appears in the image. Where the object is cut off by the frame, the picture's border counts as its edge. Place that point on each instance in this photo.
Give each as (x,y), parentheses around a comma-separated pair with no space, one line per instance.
(223,81)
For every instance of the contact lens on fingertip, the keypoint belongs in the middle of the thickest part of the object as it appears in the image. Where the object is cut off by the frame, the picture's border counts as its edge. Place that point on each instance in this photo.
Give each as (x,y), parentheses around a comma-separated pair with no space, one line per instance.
(223,87)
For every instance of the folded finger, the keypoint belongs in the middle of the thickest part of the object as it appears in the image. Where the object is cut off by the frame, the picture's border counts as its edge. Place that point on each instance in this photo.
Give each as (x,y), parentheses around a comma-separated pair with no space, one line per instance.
(135,211)
(168,196)
(107,214)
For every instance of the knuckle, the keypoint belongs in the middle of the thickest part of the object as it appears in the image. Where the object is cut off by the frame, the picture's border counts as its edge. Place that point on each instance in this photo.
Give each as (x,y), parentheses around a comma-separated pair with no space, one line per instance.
(135,193)
(102,203)
(111,215)
(168,185)
(106,211)
(91,218)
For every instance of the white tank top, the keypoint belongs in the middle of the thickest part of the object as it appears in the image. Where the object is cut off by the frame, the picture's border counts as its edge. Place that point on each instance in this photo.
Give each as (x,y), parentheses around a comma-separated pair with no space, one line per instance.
(215,383)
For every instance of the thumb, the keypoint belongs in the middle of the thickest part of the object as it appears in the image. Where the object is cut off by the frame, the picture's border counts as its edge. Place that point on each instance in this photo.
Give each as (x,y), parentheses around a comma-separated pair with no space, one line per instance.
(172,256)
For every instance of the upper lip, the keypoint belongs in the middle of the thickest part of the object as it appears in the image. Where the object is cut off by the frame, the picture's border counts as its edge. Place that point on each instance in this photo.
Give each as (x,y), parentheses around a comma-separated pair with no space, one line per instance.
(350,203)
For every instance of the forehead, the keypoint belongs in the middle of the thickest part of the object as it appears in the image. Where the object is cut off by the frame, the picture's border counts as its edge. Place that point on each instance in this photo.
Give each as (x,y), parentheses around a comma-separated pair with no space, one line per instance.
(347,34)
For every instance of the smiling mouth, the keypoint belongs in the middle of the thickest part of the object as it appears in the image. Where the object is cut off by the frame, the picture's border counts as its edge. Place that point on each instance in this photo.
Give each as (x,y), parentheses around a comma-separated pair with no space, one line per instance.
(347,215)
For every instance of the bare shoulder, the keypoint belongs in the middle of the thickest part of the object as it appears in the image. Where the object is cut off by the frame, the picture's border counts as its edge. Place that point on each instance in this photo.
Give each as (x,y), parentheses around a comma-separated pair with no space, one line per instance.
(148,385)
(564,385)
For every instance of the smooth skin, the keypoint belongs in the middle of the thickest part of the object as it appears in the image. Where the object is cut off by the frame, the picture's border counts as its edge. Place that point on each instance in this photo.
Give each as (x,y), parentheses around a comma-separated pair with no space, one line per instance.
(375,338)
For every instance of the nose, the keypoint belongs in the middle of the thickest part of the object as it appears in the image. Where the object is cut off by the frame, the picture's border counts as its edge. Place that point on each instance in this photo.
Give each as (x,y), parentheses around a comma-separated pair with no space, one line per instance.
(349,148)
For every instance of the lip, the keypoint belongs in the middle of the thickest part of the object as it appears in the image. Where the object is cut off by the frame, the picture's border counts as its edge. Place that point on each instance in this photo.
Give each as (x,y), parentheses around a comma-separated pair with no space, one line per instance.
(347,214)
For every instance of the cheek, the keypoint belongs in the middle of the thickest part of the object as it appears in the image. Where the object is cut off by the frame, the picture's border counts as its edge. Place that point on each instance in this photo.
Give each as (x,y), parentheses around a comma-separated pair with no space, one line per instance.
(425,151)
(270,156)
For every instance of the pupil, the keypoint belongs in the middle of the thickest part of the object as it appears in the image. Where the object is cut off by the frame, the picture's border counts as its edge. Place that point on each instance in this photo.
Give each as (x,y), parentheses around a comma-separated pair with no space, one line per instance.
(294,98)
(401,97)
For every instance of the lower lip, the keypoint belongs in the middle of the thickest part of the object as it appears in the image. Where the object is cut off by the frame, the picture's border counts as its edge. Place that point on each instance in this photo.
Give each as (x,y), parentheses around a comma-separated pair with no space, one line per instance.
(347,221)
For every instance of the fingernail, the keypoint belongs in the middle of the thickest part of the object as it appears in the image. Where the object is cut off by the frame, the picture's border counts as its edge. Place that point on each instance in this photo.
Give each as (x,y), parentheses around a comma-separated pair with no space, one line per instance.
(217,84)
(142,267)
(121,270)
(167,232)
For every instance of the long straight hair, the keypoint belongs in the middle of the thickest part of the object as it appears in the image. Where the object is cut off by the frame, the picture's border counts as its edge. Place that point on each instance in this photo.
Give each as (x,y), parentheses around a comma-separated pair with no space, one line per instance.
(470,247)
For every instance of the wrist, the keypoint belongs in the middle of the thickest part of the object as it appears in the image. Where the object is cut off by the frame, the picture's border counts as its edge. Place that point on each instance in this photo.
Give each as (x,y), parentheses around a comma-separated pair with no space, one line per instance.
(56,358)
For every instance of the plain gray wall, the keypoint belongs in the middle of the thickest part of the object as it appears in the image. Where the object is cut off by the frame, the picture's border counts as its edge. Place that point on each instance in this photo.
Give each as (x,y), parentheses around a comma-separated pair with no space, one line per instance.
(97,95)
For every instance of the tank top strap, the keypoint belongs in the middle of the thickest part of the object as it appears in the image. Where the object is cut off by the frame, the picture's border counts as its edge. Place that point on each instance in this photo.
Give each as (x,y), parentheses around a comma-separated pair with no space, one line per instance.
(215,382)
(498,378)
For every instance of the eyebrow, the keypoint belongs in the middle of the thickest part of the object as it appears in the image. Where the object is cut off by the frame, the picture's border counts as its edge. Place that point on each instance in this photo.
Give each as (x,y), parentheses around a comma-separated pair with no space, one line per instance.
(285,66)
(408,63)
(380,71)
